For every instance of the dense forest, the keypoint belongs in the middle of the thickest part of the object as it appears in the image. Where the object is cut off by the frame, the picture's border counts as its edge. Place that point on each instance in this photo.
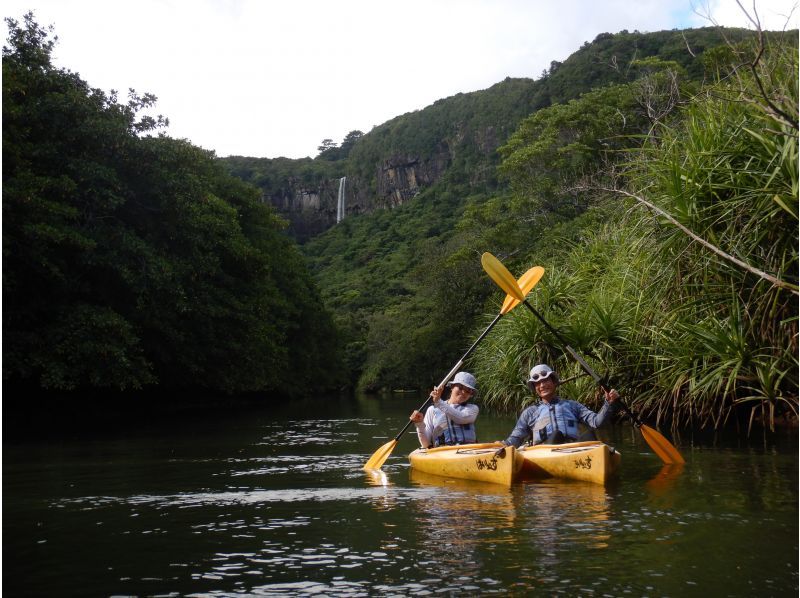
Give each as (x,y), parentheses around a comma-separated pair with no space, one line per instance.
(135,261)
(653,175)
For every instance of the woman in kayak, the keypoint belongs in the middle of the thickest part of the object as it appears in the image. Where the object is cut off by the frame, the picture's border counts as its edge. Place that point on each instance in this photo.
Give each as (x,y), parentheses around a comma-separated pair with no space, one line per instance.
(451,421)
(555,419)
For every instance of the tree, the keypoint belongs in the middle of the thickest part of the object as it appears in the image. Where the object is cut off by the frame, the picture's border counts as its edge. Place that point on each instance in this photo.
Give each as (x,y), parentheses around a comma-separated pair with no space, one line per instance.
(130,260)
(327,149)
(349,141)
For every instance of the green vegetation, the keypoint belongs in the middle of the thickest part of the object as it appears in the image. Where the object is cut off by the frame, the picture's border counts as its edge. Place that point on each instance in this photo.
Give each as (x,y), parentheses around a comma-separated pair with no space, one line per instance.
(459,135)
(275,176)
(328,150)
(697,323)
(402,297)
(135,261)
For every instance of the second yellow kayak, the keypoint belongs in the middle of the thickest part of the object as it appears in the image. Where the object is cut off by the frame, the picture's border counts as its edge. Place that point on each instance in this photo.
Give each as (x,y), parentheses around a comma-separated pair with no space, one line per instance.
(586,461)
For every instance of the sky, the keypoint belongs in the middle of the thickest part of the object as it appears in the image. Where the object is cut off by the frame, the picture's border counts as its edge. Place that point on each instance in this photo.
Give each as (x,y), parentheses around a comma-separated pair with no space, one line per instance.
(263,78)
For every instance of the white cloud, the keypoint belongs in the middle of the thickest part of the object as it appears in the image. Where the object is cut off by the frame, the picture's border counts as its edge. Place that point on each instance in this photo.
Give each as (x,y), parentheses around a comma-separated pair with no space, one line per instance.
(260,78)
(771,14)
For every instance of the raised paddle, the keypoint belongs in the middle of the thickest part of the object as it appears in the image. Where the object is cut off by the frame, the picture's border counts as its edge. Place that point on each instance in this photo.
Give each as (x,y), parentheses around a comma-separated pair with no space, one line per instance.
(526,282)
(505,280)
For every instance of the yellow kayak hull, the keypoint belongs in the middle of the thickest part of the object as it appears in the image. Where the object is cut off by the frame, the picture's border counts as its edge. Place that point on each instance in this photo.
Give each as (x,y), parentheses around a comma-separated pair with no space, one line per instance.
(468,462)
(586,461)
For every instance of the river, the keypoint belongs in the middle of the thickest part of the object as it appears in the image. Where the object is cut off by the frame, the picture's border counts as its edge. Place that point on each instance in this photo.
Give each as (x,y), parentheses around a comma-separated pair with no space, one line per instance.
(276,504)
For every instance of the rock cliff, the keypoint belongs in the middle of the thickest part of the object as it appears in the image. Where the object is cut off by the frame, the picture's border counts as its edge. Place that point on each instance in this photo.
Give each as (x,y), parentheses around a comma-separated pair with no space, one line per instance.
(312,209)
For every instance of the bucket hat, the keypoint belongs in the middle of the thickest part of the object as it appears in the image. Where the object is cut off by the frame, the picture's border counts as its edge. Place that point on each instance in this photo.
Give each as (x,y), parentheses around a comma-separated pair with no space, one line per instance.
(465,379)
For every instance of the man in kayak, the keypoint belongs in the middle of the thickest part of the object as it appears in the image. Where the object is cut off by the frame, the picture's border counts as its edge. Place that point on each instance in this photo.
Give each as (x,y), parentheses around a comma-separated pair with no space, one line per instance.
(451,421)
(555,420)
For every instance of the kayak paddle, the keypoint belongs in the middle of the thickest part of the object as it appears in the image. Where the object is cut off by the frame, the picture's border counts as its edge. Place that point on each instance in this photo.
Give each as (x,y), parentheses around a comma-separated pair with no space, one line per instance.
(505,280)
(526,282)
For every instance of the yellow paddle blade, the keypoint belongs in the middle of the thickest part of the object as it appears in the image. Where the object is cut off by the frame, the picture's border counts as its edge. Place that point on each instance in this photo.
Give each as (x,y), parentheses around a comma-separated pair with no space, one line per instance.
(501,276)
(379,457)
(526,283)
(661,446)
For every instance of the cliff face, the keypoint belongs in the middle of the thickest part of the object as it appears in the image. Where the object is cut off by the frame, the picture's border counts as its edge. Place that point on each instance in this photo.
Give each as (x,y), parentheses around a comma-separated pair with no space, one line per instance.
(312,210)
(401,177)
(456,137)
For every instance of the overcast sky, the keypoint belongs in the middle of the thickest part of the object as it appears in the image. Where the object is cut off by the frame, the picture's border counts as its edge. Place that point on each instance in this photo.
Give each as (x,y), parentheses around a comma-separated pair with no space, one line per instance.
(267,79)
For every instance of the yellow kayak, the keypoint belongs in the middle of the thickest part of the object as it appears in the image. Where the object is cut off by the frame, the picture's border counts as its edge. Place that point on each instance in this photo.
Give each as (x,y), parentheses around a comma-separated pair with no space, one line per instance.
(468,462)
(587,461)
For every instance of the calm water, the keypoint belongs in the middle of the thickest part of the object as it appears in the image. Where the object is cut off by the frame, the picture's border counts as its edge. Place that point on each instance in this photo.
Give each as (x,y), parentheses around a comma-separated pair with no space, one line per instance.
(270,505)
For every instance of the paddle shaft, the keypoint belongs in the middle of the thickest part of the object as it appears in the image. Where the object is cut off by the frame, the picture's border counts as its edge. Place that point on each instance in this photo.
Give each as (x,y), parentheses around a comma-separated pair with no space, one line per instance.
(660,445)
(455,369)
(582,362)
(527,281)
(503,278)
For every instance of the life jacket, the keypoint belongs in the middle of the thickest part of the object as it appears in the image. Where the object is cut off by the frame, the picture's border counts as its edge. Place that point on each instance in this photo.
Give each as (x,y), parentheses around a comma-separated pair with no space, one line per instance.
(555,421)
(457,433)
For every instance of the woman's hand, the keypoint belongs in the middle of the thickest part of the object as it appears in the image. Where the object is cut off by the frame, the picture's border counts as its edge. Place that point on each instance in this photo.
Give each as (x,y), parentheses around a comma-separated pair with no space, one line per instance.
(416,417)
(611,396)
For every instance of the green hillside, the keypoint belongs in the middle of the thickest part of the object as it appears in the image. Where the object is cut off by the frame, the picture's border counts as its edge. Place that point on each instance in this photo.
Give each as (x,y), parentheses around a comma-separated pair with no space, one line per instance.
(406,287)
(476,123)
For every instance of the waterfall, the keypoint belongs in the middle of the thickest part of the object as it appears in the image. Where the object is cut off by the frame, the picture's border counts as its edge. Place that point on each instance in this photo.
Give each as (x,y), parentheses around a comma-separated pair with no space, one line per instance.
(340,205)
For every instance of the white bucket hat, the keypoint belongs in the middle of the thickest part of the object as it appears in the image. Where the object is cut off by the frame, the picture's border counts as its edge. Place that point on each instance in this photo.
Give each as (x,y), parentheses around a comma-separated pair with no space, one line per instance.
(540,372)
(465,379)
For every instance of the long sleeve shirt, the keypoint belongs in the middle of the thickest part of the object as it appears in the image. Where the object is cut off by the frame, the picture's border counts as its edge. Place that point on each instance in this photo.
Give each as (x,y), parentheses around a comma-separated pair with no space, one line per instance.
(541,420)
(455,422)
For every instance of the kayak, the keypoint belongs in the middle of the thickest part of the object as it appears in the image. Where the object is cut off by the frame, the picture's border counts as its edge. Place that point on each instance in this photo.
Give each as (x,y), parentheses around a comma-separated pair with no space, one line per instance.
(592,461)
(468,462)
(586,461)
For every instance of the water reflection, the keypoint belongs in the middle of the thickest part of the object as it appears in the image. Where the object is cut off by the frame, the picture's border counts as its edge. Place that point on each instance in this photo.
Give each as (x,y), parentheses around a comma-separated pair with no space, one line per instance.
(311,432)
(469,487)
(296,464)
(243,497)
(462,525)
(377,477)
(664,481)
(561,514)
(388,499)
